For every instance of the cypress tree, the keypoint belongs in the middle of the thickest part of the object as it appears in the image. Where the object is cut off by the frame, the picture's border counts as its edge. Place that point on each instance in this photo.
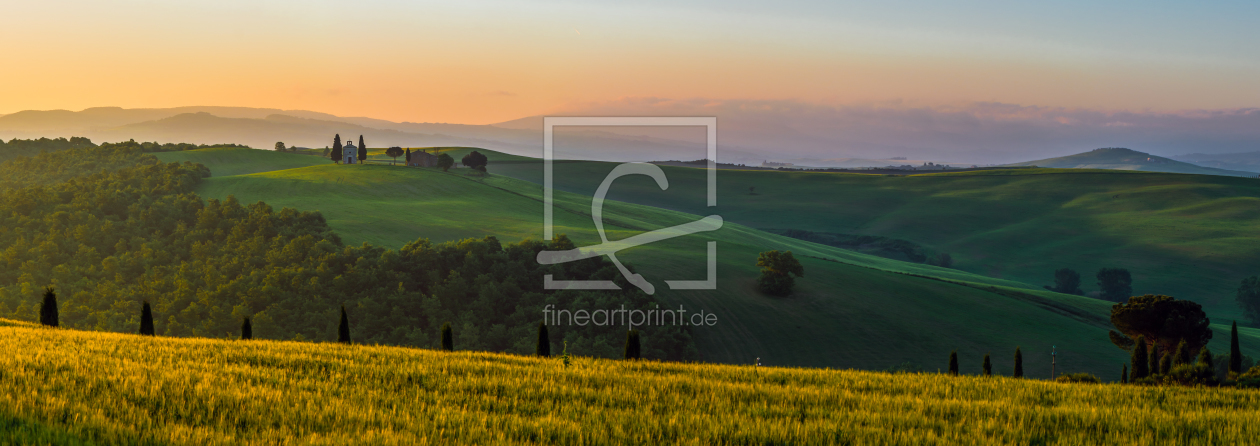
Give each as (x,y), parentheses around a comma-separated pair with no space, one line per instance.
(1165,364)
(336,149)
(1124,374)
(1183,354)
(1235,353)
(988,367)
(1019,364)
(544,342)
(343,329)
(362,150)
(48,310)
(1205,358)
(953,363)
(1156,356)
(247,330)
(146,320)
(1139,361)
(448,338)
(632,344)
(408,157)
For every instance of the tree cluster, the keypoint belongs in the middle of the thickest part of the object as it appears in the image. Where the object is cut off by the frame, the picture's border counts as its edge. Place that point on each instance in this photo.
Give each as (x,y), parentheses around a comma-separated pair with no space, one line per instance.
(121,229)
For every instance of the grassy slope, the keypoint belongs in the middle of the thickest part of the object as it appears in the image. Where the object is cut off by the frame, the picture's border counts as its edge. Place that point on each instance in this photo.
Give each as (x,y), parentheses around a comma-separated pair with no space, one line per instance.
(230,161)
(843,315)
(1190,236)
(71,387)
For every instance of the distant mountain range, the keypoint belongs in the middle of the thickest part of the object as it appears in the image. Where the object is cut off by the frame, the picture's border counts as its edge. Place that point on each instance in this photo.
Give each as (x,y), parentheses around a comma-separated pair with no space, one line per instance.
(1126,159)
(1247,161)
(262,127)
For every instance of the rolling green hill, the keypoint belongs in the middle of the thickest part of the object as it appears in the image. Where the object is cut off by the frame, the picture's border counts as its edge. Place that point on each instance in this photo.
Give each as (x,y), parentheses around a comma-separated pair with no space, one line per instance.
(1189,236)
(68,387)
(851,310)
(233,161)
(1126,159)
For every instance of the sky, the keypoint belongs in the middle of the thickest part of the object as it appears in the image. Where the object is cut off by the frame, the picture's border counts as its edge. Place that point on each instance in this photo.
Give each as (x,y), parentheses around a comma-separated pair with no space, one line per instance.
(483,62)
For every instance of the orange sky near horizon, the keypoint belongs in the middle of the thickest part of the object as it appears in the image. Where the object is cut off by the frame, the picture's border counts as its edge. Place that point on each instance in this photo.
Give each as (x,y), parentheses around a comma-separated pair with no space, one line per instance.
(483,62)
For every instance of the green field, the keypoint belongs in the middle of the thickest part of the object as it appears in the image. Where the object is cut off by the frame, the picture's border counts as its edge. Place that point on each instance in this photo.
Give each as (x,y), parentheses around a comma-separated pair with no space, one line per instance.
(1189,236)
(853,310)
(80,387)
(233,161)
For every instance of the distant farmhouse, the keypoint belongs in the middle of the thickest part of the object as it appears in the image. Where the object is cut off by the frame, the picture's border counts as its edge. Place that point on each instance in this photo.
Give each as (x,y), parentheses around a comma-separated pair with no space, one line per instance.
(421,159)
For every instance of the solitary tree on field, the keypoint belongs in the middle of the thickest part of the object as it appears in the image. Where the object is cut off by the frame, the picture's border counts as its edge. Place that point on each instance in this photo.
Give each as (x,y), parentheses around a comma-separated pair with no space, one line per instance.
(988,366)
(1124,374)
(336,149)
(394,152)
(146,320)
(1019,364)
(475,161)
(1235,353)
(777,269)
(247,330)
(544,342)
(1067,281)
(362,150)
(632,344)
(343,329)
(1249,298)
(448,338)
(48,309)
(1139,360)
(445,162)
(280,147)
(1115,283)
(953,363)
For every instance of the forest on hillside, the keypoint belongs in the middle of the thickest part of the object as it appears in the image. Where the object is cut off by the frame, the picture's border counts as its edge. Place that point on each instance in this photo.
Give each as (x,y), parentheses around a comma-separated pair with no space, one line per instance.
(109,227)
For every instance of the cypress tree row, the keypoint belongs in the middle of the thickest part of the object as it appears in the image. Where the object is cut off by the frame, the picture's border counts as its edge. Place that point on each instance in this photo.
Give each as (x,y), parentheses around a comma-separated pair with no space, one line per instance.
(1139,361)
(247,330)
(146,320)
(1019,364)
(343,329)
(544,342)
(1183,354)
(1124,373)
(1235,353)
(1156,356)
(48,310)
(448,338)
(988,367)
(632,344)
(953,363)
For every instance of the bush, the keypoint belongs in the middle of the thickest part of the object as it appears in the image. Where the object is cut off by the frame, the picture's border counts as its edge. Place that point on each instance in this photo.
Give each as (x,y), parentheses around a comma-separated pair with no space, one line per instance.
(953,363)
(905,367)
(1191,375)
(1077,378)
(1250,379)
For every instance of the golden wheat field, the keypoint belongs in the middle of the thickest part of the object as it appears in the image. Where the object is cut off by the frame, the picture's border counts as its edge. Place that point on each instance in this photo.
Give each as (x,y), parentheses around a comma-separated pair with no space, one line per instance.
(76,387)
